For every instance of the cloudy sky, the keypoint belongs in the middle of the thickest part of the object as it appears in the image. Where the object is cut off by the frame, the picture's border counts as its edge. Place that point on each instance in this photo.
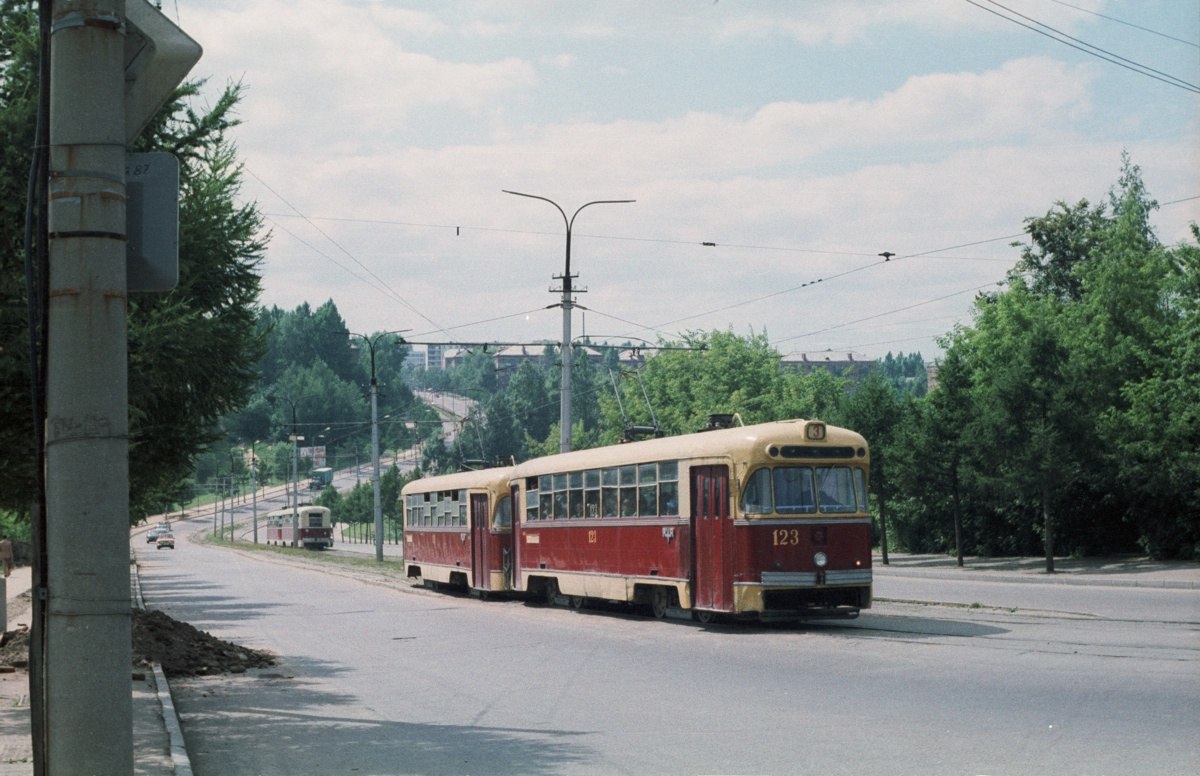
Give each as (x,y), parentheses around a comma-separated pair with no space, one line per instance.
(774,150)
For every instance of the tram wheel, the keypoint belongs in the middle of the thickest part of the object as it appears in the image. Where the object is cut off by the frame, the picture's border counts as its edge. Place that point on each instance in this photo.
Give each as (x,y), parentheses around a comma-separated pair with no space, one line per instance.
(577,602)
(551,590)
(660,602)
(704,616)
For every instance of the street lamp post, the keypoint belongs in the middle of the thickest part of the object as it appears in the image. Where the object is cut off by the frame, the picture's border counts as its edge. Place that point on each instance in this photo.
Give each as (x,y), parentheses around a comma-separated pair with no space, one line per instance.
(232,491)
(887,256)
(378,514)
(254,488)
(564,406)
(295,439)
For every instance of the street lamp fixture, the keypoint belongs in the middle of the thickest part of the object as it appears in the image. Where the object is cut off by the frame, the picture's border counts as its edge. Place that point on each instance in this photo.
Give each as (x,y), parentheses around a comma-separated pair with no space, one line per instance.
(564,406)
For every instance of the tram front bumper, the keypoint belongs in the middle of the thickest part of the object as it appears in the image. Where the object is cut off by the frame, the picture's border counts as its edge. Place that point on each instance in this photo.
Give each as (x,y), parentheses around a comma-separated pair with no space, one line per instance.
(826,593)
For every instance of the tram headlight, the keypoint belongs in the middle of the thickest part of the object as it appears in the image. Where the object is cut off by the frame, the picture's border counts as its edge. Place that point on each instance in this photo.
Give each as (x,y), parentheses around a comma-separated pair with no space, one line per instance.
(820,559)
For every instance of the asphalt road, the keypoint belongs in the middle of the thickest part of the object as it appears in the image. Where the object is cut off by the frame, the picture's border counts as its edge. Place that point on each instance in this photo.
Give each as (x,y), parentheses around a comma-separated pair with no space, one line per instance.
(382,679)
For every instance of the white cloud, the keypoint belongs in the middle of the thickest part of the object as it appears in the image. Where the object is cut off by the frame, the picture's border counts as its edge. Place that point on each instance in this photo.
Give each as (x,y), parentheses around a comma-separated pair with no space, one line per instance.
(365,111)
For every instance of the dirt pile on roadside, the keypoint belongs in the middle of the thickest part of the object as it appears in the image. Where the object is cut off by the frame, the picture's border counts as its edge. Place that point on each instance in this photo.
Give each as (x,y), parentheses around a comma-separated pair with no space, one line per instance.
(181,649)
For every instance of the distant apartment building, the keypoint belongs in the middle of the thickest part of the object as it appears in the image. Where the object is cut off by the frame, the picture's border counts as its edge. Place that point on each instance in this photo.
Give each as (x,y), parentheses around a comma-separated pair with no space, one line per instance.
(854,366)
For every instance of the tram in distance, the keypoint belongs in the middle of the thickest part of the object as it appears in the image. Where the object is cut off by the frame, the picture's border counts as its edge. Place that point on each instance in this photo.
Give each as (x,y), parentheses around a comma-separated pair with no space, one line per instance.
(768,521)
(315,528)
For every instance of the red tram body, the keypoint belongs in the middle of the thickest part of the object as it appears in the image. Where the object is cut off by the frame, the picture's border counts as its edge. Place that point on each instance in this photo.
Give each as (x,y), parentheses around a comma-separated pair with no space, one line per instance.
(769,521)
(458,529)
(311,525)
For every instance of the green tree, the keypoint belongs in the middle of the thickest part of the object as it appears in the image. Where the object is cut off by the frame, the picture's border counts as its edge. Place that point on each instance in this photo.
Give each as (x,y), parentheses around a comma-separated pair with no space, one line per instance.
(18,96)
(724,373)
(1060,242)
(819,394)
(874,410)
(1066,412)
(947,431)
(1029,403)
(304,336)
(533,406)
(193,351)
(1153,426)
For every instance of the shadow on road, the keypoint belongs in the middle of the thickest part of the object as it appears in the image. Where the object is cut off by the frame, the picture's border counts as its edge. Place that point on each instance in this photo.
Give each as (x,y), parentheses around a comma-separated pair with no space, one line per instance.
(268,722)
(890,626)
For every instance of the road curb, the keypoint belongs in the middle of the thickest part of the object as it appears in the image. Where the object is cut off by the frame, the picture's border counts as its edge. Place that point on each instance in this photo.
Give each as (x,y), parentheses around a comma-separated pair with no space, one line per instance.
(179,756)
(1062,578)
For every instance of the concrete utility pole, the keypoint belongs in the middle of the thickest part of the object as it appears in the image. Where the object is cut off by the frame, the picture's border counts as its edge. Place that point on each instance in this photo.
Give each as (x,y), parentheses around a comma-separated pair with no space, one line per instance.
(108,76)
(378,513)
(88,708)
(568,302)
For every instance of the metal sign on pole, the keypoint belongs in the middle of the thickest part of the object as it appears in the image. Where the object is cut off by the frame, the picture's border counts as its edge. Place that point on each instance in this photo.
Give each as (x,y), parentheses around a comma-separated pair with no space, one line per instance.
(151,221)
(158,55)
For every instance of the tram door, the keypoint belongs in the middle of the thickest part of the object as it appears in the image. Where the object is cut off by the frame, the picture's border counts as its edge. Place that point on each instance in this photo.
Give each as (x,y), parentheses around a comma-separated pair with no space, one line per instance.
(514,538)
(480,539)
(712,532)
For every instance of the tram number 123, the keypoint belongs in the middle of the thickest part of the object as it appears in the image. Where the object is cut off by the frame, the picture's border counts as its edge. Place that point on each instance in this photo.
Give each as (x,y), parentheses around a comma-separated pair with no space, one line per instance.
(785,537)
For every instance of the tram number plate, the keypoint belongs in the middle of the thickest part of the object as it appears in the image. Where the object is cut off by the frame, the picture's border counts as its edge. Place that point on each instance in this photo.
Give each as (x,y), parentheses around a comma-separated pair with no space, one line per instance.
(592,537)
(785,537)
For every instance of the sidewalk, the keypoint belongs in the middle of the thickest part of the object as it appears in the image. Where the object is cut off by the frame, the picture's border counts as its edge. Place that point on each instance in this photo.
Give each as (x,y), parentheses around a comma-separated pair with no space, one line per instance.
(1121,571)
(153,753)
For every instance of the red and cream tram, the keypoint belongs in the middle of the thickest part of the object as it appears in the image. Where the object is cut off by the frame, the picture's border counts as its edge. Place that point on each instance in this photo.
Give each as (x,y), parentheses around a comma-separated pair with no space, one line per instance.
(458,529)
(313,527)
(767,521)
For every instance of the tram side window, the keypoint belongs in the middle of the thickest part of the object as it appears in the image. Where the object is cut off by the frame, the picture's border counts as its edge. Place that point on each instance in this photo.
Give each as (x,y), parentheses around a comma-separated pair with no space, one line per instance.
(531,499)
(575,502)
(756,496)
(537,494)
(609,499)
(835,489)
(794,490)
(668,487)
(668,498)
(591,493)
(629,500)
(648,500)
(560,497)
(648,489)
(860,488)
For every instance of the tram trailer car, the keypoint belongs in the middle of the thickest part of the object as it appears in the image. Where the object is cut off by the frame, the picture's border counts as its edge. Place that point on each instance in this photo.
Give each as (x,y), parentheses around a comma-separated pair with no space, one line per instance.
(315,527)
(769,521)
(458,530)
